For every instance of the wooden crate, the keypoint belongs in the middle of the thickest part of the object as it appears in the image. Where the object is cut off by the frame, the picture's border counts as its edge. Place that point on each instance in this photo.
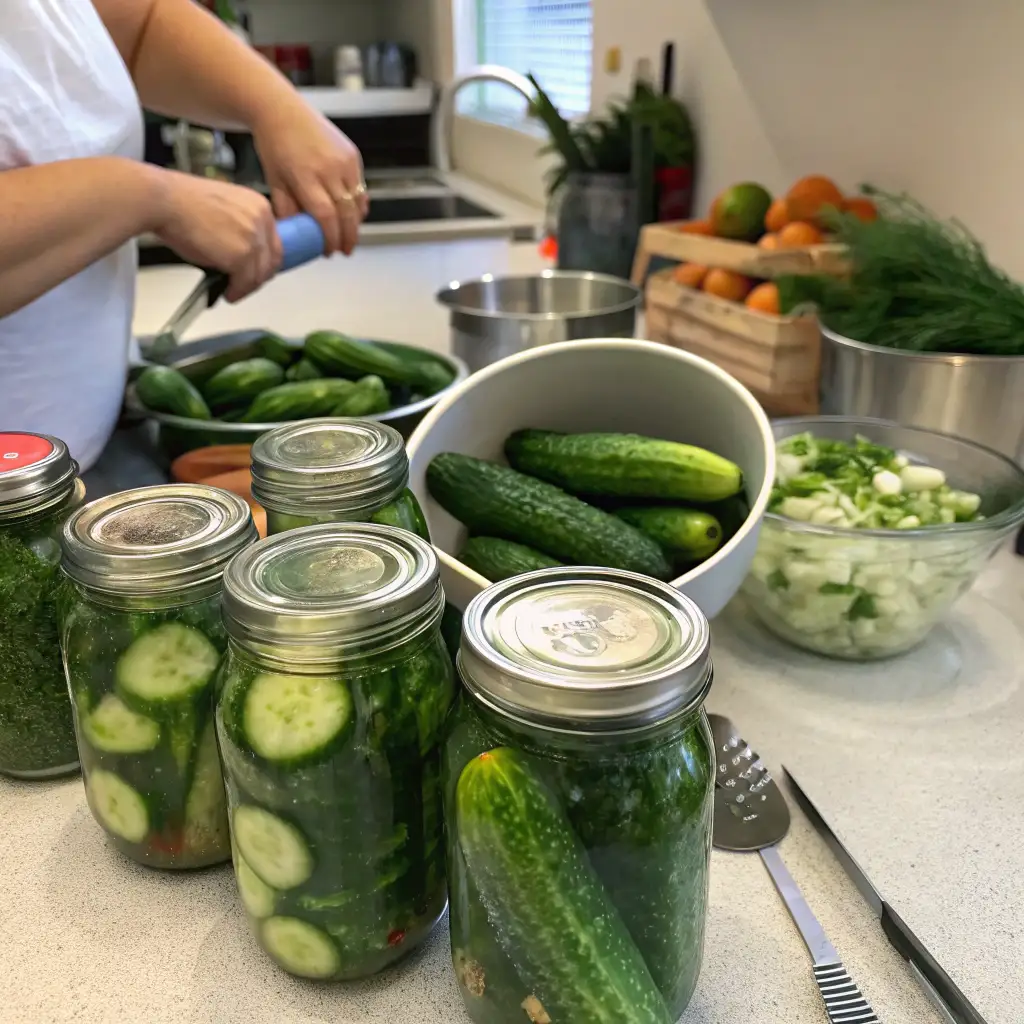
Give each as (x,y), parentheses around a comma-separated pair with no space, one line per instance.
(668,241)
(776,357)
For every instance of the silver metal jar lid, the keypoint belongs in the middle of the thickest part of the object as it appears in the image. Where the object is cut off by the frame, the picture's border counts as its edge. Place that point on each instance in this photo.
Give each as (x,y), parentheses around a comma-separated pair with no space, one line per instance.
(585,649)
(357,586)
(339,466)
(154,540)
(35,469)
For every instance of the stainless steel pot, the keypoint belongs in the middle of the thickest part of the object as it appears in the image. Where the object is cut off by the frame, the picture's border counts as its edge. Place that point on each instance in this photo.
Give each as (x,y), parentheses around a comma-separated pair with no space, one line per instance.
(980,398)
(497,317)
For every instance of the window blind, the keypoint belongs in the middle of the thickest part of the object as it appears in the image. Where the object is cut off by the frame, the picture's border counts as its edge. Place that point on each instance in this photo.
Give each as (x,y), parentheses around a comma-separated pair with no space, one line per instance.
(553,39)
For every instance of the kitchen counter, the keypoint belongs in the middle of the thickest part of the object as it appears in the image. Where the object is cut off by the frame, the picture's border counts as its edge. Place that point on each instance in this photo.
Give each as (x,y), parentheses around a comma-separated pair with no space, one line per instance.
(914,761)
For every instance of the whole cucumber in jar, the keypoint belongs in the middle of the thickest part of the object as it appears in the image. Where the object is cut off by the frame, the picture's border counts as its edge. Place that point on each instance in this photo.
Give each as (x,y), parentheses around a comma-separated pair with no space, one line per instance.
(39,489)
(143,641)
(330,721)
(578,812)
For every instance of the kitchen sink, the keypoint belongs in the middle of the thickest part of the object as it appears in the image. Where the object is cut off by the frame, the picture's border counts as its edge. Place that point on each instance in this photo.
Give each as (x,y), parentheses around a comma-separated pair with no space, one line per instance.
(404,209)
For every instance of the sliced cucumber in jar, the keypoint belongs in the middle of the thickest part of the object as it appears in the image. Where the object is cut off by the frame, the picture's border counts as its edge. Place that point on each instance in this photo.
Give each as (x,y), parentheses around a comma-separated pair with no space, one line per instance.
(205,807)
(114,728)
(300,948)
(169,663)
(274,848)
(119,807)
(257,896)
(294,718)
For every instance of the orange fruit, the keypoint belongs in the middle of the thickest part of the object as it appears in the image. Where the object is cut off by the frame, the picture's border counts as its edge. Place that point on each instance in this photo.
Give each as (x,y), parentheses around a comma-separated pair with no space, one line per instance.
(806,198)
(798,234)
(690,275)
(777,216)
(727,284)
(861,207)
(696,227)
(769,242)
(764,298)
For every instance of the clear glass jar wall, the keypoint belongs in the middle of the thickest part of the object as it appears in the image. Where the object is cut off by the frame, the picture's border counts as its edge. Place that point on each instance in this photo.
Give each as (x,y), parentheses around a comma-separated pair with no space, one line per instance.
(578,778)
(39,489)
(330,471)
(330,716)
(143,637)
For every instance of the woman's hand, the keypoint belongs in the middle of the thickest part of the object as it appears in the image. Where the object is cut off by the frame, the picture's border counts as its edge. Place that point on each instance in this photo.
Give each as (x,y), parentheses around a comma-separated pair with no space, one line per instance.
(214,224)
(311,166)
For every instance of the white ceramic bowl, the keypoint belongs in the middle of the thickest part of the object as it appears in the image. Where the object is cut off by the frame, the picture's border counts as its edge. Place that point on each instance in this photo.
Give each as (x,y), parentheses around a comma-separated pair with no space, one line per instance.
(602,385)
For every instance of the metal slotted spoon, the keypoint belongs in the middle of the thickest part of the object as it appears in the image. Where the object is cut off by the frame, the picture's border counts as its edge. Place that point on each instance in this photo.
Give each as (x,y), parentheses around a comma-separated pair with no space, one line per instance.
(751,814)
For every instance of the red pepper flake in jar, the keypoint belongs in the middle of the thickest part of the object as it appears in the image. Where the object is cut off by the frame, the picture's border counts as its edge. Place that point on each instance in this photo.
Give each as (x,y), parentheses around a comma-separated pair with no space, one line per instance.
(396,937)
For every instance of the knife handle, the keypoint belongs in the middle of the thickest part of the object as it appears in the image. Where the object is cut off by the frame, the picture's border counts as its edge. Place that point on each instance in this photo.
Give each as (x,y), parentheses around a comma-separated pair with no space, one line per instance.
(904,942)
(302,239)
(844,1003)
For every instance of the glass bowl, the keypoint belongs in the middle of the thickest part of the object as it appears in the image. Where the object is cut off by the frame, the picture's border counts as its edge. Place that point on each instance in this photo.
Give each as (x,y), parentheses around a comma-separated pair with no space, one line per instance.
(862,594)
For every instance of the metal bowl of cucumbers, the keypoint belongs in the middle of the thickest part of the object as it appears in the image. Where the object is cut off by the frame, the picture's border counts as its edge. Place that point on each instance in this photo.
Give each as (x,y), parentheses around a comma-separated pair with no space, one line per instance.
(874,530)
(230,388)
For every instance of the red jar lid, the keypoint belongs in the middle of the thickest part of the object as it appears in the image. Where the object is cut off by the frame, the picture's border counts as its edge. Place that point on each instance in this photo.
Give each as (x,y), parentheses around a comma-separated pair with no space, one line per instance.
(33,469)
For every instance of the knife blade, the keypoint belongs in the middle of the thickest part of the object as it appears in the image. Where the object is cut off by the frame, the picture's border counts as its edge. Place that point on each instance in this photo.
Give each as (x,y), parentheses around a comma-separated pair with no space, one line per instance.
(937,984)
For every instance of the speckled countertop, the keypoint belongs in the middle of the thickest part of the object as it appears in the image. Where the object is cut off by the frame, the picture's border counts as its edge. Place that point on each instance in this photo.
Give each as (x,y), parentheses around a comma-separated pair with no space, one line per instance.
(915,762)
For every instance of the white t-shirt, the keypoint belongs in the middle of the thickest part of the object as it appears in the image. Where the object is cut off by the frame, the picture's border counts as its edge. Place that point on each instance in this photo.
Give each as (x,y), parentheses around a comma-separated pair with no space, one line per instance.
(65,93)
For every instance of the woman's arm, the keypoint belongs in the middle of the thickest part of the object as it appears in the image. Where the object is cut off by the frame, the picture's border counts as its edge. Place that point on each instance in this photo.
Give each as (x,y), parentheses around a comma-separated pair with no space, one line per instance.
(186,63)
(58,218)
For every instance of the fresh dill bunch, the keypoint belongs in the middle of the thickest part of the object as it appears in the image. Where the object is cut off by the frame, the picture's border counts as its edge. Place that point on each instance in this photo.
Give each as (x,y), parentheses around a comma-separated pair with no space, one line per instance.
(916,283)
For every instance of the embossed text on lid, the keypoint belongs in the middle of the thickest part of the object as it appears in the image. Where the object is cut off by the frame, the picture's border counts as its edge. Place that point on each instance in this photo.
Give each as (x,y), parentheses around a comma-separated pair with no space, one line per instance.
(331,586)
(340,466)
(156,539)
(594,647)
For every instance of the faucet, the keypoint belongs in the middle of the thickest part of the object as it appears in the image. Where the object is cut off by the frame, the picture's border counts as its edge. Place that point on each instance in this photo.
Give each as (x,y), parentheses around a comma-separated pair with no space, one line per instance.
(442,127)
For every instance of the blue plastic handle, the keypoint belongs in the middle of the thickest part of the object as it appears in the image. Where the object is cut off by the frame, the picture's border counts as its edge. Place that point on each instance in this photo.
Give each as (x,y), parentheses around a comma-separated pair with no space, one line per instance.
(302,240)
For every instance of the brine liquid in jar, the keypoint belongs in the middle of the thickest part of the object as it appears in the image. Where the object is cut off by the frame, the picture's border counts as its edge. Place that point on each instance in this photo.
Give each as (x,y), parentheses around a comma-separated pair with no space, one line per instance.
(330,718)
(578,778)
(39,489)
(333,471)
(143,639)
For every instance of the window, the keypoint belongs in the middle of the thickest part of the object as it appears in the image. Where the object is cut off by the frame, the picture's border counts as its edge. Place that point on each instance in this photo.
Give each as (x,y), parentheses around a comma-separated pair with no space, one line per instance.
(553,39)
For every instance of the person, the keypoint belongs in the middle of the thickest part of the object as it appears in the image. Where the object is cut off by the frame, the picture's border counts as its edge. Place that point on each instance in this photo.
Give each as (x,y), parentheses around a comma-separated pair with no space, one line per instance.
(75,194)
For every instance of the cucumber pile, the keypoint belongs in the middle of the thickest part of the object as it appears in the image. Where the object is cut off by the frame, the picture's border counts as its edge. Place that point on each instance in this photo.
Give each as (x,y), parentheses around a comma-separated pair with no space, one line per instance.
(617,500)
(329,375)
(579,881)
(142,689)
(333,785)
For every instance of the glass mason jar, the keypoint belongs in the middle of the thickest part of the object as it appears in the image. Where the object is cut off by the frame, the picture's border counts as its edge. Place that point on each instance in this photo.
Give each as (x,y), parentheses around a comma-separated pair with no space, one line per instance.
(334,471)
(578,775)
(142,637)
(330,716)
(39,488)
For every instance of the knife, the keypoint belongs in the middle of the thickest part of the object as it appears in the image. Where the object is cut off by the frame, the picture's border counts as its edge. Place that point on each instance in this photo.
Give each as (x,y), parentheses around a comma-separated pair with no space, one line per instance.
(937,984)
(302,240)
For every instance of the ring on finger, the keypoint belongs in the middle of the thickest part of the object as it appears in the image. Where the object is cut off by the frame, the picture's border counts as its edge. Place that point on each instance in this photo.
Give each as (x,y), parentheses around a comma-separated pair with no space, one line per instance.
(359,190)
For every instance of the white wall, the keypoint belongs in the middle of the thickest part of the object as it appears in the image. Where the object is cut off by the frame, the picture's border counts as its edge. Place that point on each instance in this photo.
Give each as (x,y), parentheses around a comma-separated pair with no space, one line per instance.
(923,95)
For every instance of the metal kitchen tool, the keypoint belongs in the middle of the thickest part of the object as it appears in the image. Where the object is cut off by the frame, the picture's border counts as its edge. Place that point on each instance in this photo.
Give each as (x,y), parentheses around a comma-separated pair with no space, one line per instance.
(751,814)
(937,984)
(302,240)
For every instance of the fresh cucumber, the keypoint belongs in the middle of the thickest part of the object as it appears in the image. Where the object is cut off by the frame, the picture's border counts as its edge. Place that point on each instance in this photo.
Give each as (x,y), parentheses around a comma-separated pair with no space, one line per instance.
(293,719)
(297,400)
(685,534)
(164,389)
(338,354)
(239,383)
(624,465)
(304,369)
(496,501)
(274,848)
(118,806)
(114,728)
(169,663)
(544,899)
(368,397)
(275,348)
(497,559)
(205,806)
(299,947)
(257,897)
